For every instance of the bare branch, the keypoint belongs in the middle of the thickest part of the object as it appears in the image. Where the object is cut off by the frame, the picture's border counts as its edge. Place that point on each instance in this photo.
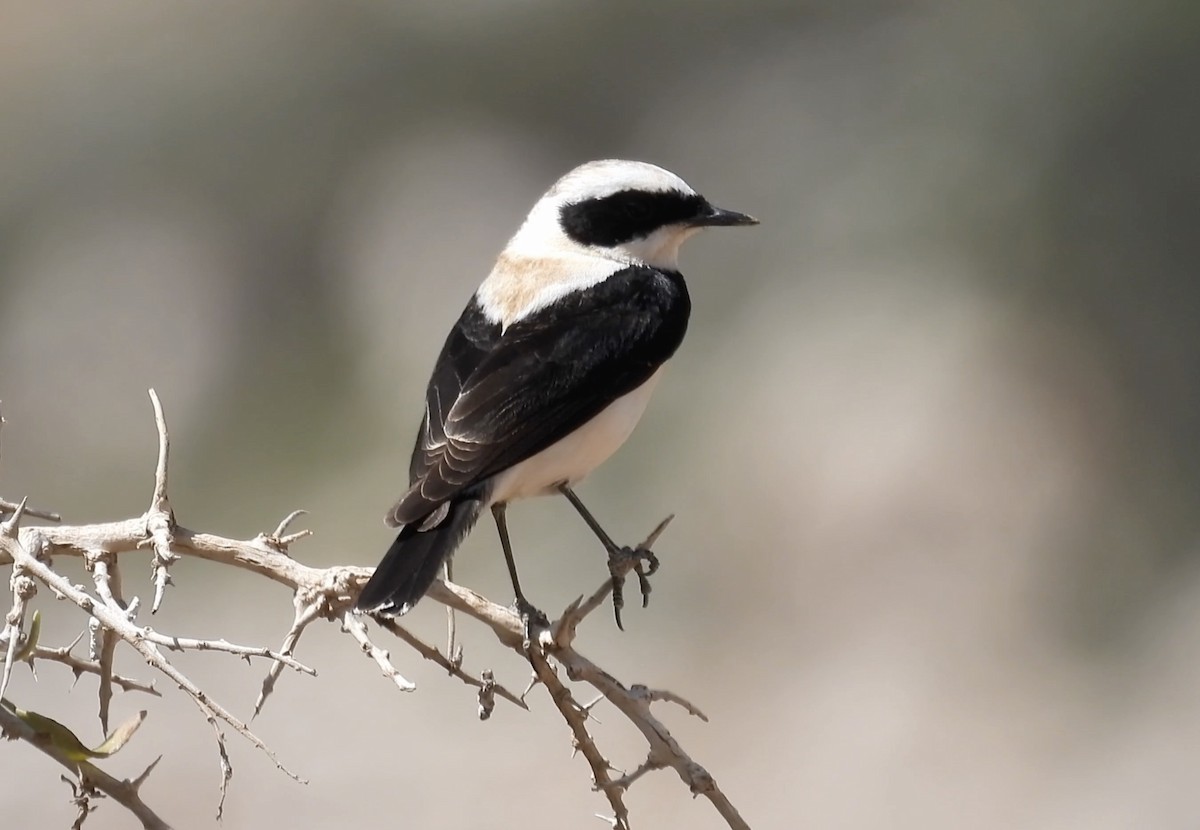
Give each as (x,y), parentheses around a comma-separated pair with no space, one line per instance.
(325,593)
(31,512)
(638,689)
(108,588)
(306,612)
(146,643)
(280,539)
(159,519)
(191,644)
(576,717)
(453,669)
(78,666)
(625,781)
(635,706)
(23,589)
(225,764)
(355,627)
(159,500)
(664,749)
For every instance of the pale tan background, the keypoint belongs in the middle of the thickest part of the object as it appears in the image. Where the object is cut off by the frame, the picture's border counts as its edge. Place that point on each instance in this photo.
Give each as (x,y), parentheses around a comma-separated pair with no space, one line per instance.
(932,439)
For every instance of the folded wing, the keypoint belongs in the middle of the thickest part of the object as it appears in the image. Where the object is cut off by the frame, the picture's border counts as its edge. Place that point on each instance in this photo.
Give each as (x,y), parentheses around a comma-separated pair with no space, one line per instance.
(547,375)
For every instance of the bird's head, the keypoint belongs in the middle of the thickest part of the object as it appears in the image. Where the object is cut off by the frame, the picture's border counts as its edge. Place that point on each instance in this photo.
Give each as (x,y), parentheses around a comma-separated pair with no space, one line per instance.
(629,211)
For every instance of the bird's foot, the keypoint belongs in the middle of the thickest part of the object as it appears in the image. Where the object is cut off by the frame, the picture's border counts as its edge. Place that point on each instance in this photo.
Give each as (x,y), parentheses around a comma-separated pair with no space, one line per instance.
(642,561)
(533,622)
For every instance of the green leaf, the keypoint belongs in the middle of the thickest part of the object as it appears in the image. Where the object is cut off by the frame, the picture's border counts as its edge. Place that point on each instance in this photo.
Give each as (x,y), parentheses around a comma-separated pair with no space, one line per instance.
(119,736)
(66,741)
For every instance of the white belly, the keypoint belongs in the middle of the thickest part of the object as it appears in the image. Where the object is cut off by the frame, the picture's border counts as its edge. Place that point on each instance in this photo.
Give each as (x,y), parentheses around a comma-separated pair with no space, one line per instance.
(573,457)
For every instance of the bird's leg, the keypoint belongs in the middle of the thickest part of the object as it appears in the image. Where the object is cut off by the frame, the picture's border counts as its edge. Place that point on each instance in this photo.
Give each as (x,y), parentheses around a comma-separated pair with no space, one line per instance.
(621,560)
(531,617)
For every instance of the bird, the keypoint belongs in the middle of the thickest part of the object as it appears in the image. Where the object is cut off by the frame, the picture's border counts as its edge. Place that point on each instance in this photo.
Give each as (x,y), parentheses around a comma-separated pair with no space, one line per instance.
(549,367)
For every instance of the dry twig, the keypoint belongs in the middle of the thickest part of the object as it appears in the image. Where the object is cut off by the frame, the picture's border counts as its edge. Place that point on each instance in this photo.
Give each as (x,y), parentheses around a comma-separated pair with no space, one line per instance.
(318,593)
(79,667)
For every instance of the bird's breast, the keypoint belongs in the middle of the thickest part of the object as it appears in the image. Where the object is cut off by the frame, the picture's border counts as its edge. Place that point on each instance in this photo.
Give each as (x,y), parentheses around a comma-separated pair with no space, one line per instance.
(573,457)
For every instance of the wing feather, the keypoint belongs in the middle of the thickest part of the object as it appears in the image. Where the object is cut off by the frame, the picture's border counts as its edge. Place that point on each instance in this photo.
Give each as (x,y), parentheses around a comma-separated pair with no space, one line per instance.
(544,377)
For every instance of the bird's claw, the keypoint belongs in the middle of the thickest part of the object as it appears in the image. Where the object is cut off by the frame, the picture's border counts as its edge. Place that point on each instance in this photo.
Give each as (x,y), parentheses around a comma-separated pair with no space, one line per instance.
(533,622)
(642,561)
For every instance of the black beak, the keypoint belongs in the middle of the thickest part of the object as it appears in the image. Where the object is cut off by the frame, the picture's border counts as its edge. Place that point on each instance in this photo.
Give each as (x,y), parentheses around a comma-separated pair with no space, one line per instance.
(715,216)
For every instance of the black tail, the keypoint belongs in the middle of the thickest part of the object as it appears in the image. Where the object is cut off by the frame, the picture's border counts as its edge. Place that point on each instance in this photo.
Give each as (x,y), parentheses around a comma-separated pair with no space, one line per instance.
(412,562)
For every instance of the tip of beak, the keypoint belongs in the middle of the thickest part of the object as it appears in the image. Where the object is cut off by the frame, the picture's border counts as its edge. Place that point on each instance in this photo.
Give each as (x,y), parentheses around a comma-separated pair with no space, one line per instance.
(728,218)
(741,220)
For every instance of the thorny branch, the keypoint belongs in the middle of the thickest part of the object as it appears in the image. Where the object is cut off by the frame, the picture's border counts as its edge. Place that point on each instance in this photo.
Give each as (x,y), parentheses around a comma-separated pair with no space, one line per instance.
(557,642)
(318,593)
(80,667)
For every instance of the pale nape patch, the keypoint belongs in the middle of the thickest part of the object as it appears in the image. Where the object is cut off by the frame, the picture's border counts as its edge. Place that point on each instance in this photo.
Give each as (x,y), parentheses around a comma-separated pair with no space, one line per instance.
(520,285)
(541,263)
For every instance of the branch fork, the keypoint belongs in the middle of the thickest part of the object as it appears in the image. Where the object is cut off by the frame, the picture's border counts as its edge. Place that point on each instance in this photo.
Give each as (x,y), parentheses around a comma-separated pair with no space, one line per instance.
(317,594)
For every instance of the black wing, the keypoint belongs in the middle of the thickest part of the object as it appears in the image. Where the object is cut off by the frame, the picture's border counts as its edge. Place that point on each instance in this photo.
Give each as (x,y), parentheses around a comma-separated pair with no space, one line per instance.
(471,339)
(546,376)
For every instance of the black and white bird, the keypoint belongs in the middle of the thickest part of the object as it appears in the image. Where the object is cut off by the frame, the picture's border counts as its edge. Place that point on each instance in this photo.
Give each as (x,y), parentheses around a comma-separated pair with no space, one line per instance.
(550,366)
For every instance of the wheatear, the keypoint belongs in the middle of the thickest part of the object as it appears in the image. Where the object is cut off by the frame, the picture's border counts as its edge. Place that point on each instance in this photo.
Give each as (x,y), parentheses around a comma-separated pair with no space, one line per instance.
(550,366)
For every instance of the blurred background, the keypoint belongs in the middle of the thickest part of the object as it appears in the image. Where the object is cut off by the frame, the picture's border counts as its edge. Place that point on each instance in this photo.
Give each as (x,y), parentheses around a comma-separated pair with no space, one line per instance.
(932,440)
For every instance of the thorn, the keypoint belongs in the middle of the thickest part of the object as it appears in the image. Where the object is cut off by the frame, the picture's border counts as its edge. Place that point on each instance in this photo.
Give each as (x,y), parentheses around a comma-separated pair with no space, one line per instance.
(137,783)
(658,531)
(9,528)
